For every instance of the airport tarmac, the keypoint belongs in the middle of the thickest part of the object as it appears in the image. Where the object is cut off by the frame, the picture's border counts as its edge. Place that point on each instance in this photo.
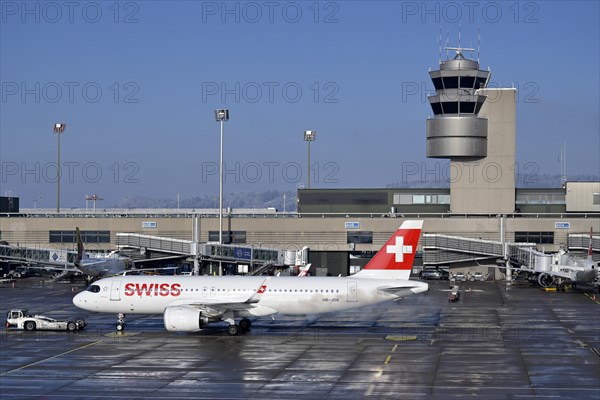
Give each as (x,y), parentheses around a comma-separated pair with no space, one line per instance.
(498,342)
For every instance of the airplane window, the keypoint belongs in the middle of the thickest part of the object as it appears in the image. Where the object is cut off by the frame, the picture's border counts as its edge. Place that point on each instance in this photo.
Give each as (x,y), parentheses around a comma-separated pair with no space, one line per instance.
(94,289)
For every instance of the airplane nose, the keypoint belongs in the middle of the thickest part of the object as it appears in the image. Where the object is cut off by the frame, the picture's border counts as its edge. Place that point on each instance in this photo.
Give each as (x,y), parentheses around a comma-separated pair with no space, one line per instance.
(80,300)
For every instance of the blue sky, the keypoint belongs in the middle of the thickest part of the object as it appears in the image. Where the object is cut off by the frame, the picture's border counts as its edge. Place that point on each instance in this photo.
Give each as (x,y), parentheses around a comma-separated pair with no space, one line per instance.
(137,83)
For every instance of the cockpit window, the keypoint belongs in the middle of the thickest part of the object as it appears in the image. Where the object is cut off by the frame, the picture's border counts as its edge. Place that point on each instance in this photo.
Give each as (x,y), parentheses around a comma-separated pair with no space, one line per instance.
(94,289)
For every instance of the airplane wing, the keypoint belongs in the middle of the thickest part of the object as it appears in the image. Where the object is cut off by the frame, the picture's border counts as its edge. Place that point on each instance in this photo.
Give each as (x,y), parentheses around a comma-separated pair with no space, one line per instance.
(399,291)
(216,306)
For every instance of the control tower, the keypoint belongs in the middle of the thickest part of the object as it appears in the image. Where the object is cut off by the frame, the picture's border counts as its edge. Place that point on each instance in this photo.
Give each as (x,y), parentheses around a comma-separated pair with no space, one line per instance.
(475,127)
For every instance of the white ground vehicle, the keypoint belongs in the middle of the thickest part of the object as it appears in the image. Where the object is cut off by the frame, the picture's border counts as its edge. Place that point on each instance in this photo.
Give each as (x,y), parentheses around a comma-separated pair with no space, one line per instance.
(459,277)
(20,319)
(478,277)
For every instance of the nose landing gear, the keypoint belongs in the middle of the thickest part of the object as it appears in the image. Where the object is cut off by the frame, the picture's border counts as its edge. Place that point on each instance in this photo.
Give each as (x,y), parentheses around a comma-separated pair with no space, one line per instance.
(120,323)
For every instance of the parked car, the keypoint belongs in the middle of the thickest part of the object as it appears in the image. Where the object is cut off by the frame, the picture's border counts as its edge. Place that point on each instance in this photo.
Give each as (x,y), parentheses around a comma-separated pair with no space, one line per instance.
(459,277)
(431,273)
(478,277)
(21,319)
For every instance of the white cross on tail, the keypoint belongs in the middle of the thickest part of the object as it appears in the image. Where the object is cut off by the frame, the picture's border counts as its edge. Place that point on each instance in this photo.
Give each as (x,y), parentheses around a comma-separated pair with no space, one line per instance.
(399,249)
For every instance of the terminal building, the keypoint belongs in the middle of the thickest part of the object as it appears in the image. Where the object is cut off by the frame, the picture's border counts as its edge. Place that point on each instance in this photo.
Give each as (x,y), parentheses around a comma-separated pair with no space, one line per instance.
(473,126)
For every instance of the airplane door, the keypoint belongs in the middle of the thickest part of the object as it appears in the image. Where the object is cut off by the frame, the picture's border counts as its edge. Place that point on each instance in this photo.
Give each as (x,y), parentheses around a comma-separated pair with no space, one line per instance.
(115,291)
(352,292)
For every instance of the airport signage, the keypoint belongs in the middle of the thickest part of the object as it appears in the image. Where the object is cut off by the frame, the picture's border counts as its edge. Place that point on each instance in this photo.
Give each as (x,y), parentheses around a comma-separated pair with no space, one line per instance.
(242,253)
(149,224)
(562,225)
(59,256)
(352,225)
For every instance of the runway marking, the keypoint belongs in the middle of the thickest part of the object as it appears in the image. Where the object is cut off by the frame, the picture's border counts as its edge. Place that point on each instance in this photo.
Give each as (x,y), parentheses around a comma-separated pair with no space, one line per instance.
(592,298)
(121,334)
(387,360)
(50,358)
(394,348)
(370,390)
(401,338)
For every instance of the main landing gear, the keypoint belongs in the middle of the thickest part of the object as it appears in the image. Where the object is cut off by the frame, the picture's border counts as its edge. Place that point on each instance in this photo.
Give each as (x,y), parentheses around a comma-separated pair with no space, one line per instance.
(233,329)
(244,326)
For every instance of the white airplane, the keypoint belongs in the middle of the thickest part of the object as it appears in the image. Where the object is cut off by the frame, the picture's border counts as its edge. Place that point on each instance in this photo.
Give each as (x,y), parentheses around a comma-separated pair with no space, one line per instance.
(572,269)
(189,303)
(99,266)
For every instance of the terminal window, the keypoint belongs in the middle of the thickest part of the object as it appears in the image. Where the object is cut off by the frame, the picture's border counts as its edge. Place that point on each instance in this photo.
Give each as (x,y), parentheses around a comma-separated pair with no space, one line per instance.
(86,236)
(534,237)
(360,237)
(229,237)
(596,199)
(402,198)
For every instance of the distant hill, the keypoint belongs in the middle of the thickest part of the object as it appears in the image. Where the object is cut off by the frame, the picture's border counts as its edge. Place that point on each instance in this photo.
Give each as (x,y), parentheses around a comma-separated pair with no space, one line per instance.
(274,198)
(271,198)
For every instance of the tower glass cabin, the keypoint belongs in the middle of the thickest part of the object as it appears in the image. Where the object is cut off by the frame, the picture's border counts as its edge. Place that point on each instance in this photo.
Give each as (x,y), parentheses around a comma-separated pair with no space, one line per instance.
(456,130)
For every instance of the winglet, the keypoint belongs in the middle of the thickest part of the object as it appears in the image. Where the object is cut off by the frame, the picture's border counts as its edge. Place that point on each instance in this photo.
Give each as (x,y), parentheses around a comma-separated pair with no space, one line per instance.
(304,271)
(255,298)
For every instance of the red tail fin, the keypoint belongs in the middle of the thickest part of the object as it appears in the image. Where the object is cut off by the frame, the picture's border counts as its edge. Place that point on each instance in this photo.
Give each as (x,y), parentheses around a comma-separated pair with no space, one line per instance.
(395,259)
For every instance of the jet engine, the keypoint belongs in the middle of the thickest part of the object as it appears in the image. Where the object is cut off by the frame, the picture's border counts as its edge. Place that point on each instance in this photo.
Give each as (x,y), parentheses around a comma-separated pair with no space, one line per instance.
(185,319)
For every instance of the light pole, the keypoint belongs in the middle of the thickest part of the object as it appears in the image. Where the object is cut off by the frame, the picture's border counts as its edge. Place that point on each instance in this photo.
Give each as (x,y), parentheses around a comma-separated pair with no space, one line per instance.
(59,128)
(221,116)
(309,136)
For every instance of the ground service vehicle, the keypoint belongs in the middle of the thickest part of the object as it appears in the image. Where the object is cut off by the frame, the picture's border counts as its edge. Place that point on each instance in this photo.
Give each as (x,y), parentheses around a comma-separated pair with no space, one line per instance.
(21,319)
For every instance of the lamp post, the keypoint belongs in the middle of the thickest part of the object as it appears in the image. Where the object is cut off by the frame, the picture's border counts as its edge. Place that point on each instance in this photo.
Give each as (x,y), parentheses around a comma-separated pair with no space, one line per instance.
(59,128)
(309,136)
(221,116)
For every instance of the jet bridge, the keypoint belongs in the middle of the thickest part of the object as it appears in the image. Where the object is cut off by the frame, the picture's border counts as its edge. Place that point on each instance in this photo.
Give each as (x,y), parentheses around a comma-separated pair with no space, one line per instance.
(36,255)
(441,249)
(205,251)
